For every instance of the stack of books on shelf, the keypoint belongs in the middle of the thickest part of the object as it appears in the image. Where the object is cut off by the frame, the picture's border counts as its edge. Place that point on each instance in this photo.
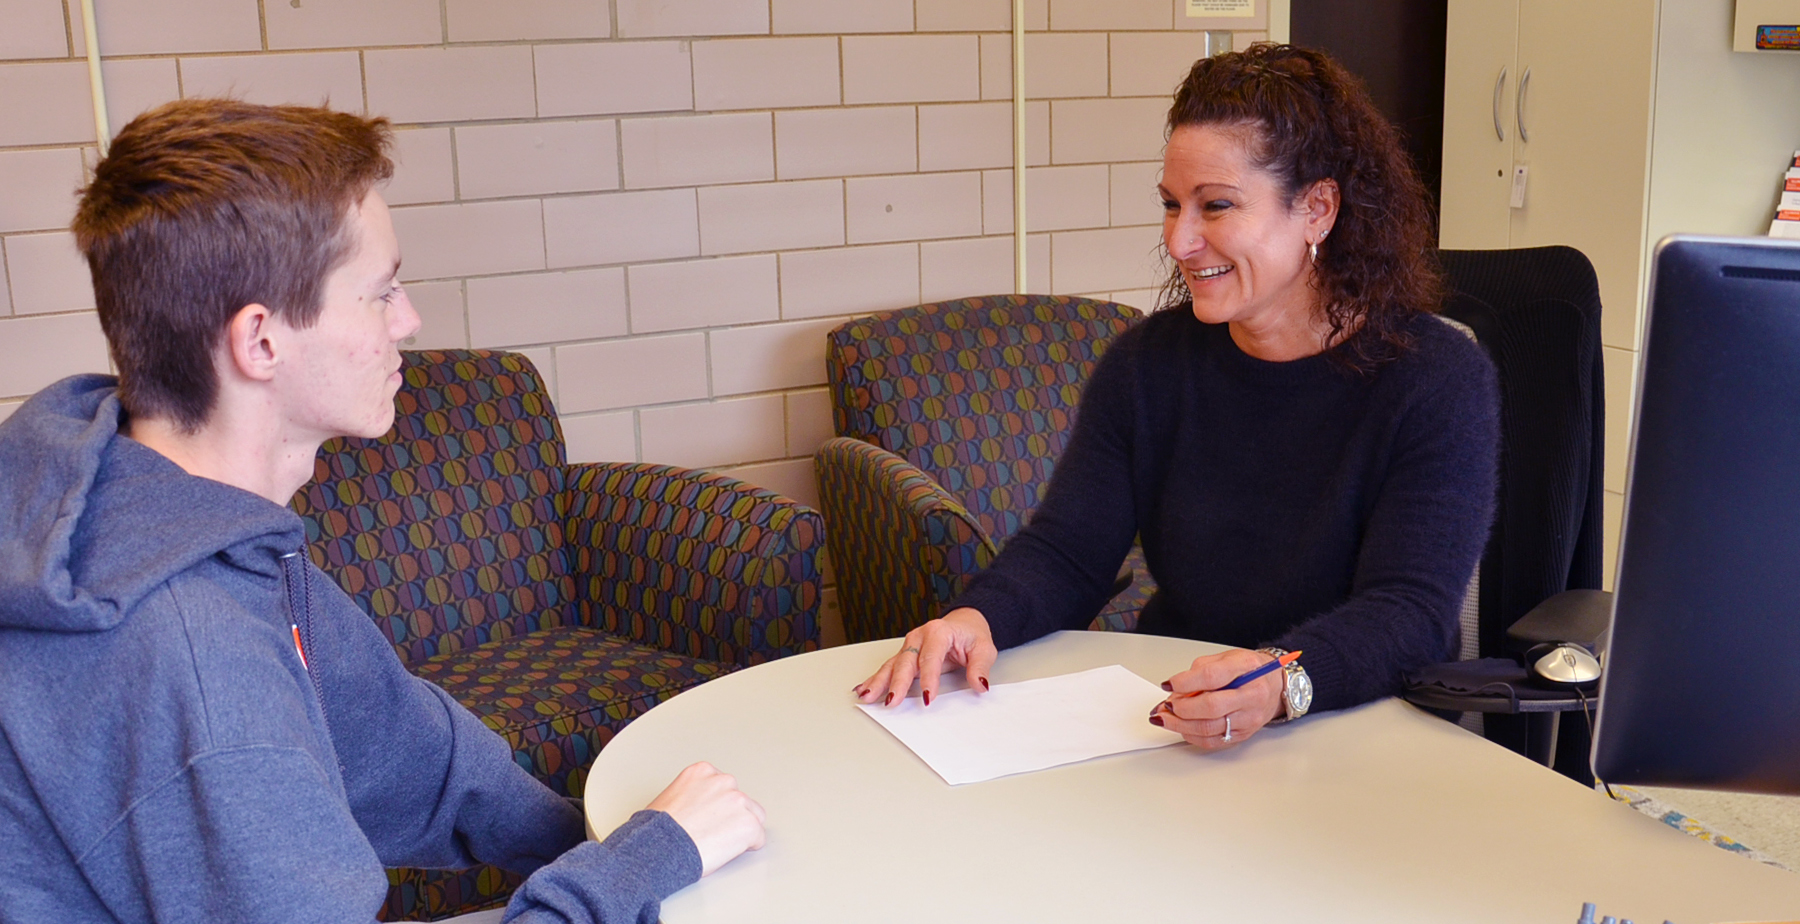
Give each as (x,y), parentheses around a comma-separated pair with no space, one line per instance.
(1787,212)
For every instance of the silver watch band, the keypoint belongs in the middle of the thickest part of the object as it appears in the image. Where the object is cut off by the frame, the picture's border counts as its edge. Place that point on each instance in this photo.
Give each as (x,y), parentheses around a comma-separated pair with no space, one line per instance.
(1288,674)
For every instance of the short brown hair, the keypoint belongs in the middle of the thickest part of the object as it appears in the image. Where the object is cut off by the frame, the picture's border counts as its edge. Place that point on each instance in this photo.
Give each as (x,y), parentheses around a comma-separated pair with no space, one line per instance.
(204,206)
(1312,120)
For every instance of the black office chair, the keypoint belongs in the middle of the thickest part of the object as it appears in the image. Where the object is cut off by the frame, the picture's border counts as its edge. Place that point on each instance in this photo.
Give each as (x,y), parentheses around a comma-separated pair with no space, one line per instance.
(1537,313)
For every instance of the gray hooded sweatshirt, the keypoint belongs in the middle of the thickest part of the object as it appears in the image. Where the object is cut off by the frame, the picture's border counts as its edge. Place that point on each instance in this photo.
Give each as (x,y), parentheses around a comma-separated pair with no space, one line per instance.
(167,753)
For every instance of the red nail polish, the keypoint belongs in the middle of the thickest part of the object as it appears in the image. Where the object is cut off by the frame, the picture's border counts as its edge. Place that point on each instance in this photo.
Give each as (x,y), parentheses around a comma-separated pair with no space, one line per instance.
(889,701)
(1156,720)
(927,697)
(984,684)
(1167,688)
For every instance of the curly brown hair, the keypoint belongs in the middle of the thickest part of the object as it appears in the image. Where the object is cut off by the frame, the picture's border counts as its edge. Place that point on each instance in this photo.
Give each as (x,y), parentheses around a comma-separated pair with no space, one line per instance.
(1314,121)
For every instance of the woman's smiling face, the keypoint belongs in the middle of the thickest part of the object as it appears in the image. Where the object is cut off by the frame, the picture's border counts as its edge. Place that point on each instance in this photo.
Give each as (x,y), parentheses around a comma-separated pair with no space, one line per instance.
(1240,242)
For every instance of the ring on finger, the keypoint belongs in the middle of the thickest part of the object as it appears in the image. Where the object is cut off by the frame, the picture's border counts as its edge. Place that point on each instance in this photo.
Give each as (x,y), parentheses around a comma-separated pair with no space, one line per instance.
(1227,736)
(909,648)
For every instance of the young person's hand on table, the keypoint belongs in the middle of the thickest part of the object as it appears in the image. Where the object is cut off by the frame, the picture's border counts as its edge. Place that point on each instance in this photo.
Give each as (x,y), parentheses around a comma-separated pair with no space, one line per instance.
(959,638)
(721,820)
(1202,712)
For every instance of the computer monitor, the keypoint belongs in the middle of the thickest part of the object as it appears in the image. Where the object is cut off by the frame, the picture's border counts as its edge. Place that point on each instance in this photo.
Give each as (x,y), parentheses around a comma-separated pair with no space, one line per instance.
(1702,680)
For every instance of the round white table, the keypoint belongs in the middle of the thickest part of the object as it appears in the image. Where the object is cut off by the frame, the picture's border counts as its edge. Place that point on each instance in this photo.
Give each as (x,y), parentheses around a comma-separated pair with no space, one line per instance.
(1379,814)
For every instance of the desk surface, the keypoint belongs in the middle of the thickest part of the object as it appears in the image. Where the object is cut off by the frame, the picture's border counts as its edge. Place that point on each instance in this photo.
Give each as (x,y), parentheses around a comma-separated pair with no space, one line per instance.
(1377,814)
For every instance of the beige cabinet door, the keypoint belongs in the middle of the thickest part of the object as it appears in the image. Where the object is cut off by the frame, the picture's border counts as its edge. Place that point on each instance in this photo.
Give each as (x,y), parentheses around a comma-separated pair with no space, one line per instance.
(1582,125)
(1480,80)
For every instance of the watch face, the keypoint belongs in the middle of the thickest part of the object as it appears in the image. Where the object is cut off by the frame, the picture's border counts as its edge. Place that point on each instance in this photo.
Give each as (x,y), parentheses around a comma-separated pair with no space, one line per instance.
(1299,694)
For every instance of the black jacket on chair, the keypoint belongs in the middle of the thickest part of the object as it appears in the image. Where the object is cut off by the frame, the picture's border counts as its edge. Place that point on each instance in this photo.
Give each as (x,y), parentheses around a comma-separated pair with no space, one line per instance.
(1537,312)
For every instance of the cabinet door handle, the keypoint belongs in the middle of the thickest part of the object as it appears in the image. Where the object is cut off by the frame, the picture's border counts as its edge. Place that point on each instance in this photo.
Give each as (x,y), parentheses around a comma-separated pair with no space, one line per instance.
(1499,88)
(1519,110)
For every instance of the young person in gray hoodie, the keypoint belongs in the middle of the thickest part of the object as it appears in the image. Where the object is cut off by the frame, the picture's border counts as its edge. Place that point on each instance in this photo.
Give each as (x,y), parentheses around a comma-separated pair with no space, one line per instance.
(195,723)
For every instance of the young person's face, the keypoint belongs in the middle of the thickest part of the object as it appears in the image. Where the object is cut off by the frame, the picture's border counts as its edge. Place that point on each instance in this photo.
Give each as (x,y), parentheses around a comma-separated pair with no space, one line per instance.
(343,371)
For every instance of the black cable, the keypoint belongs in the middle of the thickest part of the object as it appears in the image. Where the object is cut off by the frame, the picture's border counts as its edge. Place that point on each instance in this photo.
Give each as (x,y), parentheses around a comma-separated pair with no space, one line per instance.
(1589,719)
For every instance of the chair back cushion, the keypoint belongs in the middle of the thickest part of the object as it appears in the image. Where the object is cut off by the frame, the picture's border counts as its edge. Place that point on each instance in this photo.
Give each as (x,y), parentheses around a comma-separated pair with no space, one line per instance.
(979,393)
(447,530)
(1537,312)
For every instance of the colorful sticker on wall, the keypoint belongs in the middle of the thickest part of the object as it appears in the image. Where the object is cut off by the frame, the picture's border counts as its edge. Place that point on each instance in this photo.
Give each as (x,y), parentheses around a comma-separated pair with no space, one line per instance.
(1768,38)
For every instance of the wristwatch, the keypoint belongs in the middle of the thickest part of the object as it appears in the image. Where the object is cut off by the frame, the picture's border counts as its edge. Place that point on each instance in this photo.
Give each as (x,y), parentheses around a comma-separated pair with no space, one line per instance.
(1296,688)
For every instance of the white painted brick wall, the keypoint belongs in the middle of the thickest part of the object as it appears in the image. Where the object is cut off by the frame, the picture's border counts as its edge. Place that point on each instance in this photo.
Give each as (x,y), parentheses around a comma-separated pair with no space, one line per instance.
(424,168)
(859,280)
(536,158)
(714,292)
(639,18)
(135,85)
(1112,14)
(34,29)
(37,188)
(624,227)
(450,84)
(609,437)
(48,274)
(150,27)
(771,216)
(443,320)
(304,79)
(834,17)
(911,68)
(853,141)
(665,205)
(512,311)
(348,23)
(763,73)
(613,77)
(487,21)
(466,239)
(715,433)
(698,150)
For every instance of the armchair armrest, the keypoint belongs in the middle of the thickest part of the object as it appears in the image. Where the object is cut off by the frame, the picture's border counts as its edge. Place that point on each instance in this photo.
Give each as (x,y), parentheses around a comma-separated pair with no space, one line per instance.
(693,562)
(901,546)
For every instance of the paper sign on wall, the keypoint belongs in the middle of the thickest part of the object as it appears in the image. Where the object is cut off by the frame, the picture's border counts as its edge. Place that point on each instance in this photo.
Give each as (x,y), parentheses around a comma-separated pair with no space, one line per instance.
(1221,9)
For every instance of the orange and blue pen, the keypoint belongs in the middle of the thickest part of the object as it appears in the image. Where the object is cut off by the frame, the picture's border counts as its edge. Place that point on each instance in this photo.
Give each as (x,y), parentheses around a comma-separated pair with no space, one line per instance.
(1248,676)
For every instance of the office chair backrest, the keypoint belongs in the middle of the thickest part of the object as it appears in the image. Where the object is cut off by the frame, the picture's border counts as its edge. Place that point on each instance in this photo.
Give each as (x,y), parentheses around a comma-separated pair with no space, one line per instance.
(1537,312)
(980,393)
(448,529)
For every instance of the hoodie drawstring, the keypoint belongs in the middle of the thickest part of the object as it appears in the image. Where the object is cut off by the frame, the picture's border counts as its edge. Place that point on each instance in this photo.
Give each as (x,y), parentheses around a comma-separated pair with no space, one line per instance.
(296,584)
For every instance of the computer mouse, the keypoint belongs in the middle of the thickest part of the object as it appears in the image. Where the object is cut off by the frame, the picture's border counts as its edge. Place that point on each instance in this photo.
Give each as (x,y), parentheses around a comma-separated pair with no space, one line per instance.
(1562,664)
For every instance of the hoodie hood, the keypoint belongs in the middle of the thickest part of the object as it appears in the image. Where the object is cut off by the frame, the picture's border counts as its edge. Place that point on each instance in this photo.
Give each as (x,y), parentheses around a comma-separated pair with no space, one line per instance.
(91,522)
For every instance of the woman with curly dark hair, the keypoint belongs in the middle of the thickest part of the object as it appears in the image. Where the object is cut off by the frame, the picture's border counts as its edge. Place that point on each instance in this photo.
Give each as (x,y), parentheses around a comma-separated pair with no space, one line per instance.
(1308,454)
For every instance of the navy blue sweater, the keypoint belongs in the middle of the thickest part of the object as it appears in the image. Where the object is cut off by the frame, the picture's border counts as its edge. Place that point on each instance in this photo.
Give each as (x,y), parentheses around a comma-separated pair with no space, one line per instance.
(1297,504)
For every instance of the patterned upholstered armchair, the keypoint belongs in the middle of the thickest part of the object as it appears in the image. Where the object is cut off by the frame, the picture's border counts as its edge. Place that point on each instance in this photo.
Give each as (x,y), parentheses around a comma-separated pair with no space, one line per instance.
(556,601)
(949,419)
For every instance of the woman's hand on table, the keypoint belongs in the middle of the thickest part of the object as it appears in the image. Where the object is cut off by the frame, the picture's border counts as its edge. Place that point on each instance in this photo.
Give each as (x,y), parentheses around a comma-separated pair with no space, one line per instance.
(960,638)
(721,820)
(1198,708)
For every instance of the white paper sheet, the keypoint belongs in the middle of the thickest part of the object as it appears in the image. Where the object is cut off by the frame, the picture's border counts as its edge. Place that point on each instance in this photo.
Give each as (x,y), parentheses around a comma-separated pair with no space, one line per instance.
(1033,725)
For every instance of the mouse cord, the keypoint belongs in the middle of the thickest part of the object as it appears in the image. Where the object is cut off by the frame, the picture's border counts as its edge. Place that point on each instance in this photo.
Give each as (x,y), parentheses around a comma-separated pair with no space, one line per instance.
(1588,717)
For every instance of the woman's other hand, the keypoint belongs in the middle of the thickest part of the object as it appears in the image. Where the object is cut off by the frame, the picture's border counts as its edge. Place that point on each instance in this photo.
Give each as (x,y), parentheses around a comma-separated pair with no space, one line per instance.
(1198,708)
(721,820)
(960,638)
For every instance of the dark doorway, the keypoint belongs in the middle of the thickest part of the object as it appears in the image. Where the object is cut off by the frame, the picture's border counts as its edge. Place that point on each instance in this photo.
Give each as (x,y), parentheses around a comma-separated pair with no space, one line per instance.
(1397,48)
